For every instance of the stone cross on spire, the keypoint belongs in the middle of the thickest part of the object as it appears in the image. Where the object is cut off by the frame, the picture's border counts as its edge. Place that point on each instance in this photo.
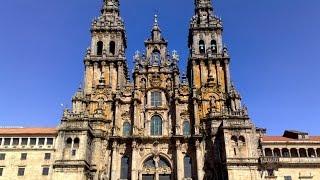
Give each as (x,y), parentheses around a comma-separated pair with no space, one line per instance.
(156,31)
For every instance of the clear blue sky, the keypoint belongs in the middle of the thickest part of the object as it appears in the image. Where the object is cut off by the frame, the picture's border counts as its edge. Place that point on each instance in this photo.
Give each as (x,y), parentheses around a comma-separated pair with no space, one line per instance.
(274,46)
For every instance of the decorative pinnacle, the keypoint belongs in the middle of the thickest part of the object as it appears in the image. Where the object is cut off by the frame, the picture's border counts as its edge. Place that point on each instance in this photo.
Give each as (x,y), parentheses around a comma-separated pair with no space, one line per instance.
(156,20)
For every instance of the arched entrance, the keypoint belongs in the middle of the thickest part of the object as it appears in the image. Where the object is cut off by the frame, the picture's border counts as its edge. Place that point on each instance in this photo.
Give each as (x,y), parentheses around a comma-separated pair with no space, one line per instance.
(156,168)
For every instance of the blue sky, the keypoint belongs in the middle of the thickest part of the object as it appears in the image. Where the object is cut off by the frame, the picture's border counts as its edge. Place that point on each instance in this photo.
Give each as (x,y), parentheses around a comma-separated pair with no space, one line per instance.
(274,47)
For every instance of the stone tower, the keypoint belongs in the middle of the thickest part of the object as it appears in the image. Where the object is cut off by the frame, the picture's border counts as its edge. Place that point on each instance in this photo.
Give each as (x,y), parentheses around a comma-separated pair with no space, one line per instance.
(162,125)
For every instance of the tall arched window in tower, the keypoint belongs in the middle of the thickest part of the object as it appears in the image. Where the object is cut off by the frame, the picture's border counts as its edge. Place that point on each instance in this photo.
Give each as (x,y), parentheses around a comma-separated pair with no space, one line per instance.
(214,46)
(124,174)
(156,126)
(69,143)
(156,99)
(187,167)
(126,129)
(202,47)
(76,143)
(186,128)
(99,48)
(112,48)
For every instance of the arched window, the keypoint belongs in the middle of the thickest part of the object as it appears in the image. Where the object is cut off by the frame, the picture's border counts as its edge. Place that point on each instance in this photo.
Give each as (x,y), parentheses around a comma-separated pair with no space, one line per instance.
(156,99)
(277,152)
(294,152)
(311,153)
(149,163)
(163,163)
(285,152)
(186,128)
(303,152)
(234,140)
(214,46)
(242,141)
(124,174)
(268,152)
(156,126)
(187,167)
(126,129)
(202,47)
(112,47)
(318,152)
(69,142)
(76,143)
(99,48)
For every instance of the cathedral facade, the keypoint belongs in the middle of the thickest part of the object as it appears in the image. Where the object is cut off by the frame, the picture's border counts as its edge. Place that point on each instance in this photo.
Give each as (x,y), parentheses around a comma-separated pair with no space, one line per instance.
(163,124)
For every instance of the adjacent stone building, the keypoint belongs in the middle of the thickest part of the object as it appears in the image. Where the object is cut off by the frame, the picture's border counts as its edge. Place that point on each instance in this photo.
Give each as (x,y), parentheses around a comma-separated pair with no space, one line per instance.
(161,125)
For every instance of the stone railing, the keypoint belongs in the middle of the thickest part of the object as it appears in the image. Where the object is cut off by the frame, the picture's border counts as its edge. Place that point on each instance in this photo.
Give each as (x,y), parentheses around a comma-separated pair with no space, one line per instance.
(269,160)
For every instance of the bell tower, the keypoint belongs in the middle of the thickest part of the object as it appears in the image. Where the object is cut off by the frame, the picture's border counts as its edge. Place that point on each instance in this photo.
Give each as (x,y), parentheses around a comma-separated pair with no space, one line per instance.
(105,59)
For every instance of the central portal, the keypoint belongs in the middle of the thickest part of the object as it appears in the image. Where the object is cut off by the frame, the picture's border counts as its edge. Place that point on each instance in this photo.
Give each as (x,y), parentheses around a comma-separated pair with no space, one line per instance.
(156,168)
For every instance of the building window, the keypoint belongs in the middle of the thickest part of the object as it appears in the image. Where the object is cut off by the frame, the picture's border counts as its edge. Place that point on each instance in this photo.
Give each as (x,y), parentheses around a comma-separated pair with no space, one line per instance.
(124,174)
(76,143)
(69,142)
(47,156)
(41,141)
(7,141)
(268,152)
(99,48)
(150,163)
(287,178)
(126,129)
(45,171)
(21,171)
(49,141)
(23,156)
(2,156)
(24,141)
(112,48)
(311,153)
(214,46)
(0,141)
(285,153)
(186,128)
(303,152)
(187,167)
(33,141)
(242,141)
(156,126)
(156,99)
(277,152)
(318,152)
(74,152)
(1,171)
(294,153)
(15,141)
(202,47)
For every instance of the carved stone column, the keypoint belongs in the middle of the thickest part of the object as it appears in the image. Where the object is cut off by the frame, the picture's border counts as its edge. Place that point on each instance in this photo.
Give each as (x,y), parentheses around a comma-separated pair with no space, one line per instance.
(114,161)
(199,154)
(134,171)
(228,81)
(179,161)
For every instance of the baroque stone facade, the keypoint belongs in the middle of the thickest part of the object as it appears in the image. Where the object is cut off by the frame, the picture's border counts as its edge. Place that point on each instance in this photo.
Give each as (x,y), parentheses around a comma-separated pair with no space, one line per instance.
(163,124)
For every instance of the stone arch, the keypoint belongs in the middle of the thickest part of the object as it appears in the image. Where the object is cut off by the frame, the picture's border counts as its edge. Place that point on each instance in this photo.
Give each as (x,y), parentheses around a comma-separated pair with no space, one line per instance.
(294,153)
(160,155)
(268,152)
(277,152)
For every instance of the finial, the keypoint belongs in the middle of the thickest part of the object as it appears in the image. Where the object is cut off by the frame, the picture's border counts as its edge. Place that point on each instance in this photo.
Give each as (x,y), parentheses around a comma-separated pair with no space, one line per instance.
(156,19)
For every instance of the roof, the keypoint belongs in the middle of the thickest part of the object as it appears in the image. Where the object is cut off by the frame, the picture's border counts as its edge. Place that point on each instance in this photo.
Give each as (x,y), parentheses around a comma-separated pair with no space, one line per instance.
(28,131)
(285,139)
